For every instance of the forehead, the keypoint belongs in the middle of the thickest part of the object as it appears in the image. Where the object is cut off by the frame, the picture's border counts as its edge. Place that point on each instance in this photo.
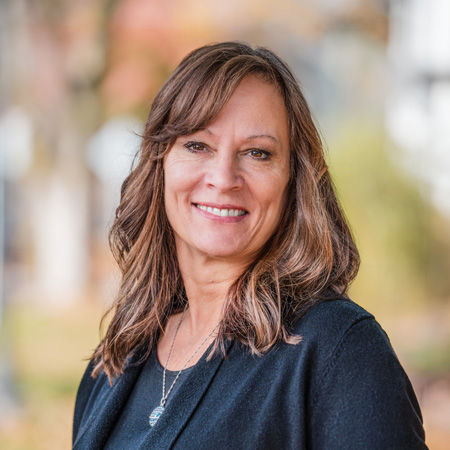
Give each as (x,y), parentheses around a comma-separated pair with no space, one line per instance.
(256,107)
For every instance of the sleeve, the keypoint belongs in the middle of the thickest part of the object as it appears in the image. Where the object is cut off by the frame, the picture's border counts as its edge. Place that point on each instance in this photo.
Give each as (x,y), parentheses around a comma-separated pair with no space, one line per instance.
(364,399)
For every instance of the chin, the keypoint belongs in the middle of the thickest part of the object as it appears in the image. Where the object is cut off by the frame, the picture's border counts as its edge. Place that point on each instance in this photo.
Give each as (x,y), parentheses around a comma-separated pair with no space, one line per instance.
(216,249)
(221,253)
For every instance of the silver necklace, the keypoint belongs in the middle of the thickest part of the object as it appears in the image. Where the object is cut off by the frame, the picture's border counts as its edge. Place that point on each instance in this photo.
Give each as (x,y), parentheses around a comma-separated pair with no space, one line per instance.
(156,413)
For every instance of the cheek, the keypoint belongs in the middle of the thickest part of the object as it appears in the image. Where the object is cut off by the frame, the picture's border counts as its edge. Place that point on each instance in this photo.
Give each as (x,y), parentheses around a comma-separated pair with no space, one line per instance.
(171,188)
(275,195)
(174,181)
(276,210)
(178,188)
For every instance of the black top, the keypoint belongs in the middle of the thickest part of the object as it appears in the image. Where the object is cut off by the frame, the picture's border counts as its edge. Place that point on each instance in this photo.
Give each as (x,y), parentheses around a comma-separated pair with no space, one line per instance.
(341,387)
(133,425)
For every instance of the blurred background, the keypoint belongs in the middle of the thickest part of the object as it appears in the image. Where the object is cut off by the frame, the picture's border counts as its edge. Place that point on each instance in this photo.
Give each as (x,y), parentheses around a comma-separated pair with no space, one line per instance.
(76,82)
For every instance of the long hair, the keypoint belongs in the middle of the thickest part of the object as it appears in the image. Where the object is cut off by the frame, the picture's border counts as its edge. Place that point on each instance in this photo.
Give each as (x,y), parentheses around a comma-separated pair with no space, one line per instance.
(311,255)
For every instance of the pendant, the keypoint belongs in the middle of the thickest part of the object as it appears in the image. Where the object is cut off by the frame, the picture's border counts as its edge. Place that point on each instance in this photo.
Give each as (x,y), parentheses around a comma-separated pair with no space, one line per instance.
(155,415)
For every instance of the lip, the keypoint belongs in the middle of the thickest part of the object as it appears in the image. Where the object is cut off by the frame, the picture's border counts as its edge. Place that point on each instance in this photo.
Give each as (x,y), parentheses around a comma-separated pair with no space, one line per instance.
(221,219)
(221,206)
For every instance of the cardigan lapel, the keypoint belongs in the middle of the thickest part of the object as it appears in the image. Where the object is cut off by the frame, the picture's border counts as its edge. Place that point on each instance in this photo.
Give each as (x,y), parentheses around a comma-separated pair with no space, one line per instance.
(96,431)
(183,404)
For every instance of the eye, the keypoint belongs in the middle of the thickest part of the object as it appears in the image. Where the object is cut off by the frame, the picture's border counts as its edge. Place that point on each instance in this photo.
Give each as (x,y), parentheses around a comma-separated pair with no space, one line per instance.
(195,147)
(256,153)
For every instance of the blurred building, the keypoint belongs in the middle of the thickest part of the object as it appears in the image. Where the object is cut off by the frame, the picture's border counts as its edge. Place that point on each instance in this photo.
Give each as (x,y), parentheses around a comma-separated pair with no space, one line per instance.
(77,77)
(418,107)
(50,61)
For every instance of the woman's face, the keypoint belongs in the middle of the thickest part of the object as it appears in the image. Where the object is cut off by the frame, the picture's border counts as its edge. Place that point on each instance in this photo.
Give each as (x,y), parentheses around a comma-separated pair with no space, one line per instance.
(225,186)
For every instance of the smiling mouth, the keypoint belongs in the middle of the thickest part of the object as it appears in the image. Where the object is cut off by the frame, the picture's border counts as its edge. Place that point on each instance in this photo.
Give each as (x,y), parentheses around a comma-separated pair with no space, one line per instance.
(221,212)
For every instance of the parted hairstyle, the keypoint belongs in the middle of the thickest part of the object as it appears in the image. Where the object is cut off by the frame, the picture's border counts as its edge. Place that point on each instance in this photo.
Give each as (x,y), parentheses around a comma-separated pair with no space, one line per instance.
(310,257)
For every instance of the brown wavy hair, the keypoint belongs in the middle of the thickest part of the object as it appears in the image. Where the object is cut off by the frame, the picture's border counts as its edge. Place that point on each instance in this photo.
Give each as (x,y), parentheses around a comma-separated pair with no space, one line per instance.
(311,256)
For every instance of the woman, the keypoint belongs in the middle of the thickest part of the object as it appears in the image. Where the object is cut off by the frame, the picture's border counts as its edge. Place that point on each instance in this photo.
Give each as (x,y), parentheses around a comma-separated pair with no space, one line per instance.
(232,329)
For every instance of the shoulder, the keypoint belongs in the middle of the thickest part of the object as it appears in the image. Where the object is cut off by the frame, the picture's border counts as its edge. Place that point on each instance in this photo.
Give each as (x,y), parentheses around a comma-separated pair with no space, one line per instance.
(358,388)
(337,314)
(341,335)
(323,331)
(327,323)
(93,392)
(341,346)
(90,391)
(87,385)
(341,329)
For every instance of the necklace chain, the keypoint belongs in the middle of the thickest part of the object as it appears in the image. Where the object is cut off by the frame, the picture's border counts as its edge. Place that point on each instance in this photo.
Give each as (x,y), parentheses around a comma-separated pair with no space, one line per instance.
(156,413)
(164,395)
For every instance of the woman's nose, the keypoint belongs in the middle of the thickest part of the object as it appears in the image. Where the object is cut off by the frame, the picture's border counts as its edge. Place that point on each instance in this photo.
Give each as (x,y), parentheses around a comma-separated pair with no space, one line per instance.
(224,173)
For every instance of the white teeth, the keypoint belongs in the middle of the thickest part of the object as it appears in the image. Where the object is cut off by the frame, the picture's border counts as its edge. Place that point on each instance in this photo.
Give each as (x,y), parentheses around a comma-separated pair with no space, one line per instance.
(222,212)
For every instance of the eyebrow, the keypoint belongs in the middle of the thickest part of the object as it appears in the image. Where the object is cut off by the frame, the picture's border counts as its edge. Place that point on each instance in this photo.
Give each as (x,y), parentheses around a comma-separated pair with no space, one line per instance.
(252,137)
(259,136)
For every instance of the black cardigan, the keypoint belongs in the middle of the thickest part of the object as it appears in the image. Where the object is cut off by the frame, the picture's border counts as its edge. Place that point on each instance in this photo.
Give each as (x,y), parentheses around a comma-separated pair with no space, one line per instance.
(341,387)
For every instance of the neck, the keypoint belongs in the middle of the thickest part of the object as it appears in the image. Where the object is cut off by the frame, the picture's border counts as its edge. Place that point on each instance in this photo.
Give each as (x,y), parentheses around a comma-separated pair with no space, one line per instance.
(206,282)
